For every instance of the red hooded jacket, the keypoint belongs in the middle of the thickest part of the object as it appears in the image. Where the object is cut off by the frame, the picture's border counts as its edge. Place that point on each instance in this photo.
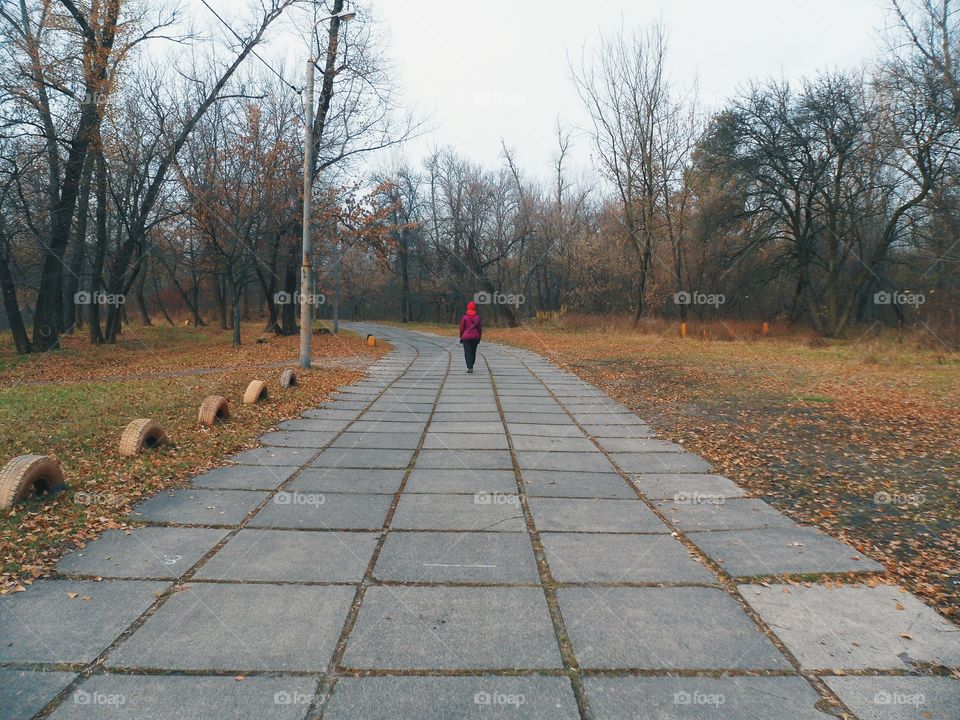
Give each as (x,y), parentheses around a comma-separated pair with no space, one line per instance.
(471,328)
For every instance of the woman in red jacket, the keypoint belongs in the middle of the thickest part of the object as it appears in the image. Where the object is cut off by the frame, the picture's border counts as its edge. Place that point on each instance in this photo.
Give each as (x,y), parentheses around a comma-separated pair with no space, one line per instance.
(470,331)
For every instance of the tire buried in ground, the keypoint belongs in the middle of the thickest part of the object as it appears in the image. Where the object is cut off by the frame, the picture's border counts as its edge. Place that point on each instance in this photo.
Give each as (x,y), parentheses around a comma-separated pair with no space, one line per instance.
(29,475)
(256,391)
(288,378)
(142,434)
(213,408)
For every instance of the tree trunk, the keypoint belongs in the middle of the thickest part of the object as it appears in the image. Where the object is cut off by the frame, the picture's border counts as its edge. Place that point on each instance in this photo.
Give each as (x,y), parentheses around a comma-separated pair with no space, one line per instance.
(219,292)
(237,293)
(71,317)
(20,339)
(100,251)
(290,279)
(156,289)
(404,258)
(142,301)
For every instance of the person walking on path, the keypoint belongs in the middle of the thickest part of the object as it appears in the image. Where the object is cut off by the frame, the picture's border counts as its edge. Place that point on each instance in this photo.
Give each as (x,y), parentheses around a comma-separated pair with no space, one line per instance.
(471,328)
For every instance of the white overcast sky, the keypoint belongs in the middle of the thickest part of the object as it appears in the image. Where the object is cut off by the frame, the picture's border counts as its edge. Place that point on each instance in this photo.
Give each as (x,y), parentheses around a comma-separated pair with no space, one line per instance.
(482,70)
(490,70)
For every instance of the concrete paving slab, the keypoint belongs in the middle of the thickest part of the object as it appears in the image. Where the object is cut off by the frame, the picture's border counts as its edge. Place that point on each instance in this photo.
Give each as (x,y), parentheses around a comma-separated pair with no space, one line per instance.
(23,693)
(324,511)
(481,511)
(690,628)
(173,697)
(387,441)
(471,426)
(702,698)
(607,418)
(284,555)
(581,515)
(709,513)
(781,551)
(198,506)
(267,456)
(468,417)
(639,445)
(459,407)
(370,425)
(442,698)
(528,405)
(388,406)
(363,458)
(240,628)
(899,698)
(449,441)
(567,430)
(337,403)
(70,621)
(555,483)
(147,552)
(309,425)
(434,480)
(390,419)
(609,558)
(661,462)
(573,462)
(298,439)
(465,459)
(476,557)
(855,627)
(335,413)
(618,431)
(691,487)
(352,480)
(575,442)
(244,477)
(447,628)
(531,418)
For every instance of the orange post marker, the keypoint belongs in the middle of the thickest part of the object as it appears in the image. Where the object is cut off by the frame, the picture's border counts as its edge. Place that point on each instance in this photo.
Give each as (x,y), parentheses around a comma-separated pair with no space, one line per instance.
(683,330)
(765,328)
(371,341)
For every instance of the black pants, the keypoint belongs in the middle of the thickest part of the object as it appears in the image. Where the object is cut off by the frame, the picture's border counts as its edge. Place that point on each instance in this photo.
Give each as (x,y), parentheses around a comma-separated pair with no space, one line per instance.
(470,352)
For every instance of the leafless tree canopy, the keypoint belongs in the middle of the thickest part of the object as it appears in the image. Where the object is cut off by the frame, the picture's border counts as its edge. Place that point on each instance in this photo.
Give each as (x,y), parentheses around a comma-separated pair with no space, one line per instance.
(151,164)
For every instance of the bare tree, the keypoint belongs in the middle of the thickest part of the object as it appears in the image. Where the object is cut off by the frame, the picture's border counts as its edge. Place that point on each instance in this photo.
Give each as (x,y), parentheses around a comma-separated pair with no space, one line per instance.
(635,117)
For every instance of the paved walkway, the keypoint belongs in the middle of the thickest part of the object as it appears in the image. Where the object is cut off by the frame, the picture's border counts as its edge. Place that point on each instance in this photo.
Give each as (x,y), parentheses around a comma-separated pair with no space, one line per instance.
(432,544)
